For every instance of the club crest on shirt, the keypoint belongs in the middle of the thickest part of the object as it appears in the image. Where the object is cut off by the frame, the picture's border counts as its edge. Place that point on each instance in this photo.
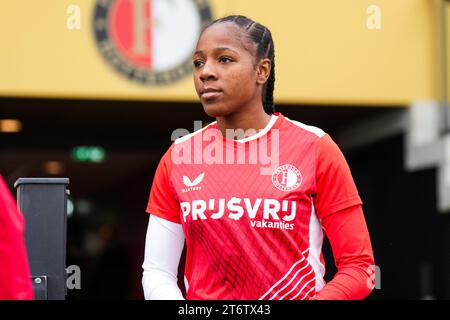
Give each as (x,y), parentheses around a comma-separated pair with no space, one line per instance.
(286,177)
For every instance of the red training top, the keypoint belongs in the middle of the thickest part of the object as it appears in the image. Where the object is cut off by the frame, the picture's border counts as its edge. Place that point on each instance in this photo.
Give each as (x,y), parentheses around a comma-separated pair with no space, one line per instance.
(15,281)
(254,210)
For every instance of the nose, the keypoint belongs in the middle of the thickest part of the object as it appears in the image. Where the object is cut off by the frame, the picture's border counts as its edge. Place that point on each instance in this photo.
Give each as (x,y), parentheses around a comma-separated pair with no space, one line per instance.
(208,72)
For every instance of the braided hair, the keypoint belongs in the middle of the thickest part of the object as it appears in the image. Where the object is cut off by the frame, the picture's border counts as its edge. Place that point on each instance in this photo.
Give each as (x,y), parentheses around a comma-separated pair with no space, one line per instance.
(262,38)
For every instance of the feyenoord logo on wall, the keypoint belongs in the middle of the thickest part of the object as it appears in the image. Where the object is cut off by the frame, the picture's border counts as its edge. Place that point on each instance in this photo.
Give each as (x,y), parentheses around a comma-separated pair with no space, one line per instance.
(150,41)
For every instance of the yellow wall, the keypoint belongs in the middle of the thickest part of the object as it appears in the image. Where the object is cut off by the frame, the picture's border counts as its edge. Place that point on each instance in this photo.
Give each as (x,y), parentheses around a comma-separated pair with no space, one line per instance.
(447,11)
(324,52)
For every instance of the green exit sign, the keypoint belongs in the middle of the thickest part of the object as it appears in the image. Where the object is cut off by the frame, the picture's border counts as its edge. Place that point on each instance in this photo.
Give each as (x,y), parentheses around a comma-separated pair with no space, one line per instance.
(88,154)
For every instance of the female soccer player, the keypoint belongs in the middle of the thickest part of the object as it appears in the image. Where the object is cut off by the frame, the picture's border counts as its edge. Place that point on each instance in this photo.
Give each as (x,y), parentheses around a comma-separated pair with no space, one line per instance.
(252,209)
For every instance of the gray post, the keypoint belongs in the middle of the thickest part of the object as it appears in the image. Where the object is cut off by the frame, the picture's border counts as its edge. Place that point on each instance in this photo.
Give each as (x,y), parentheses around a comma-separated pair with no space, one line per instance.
(43,201)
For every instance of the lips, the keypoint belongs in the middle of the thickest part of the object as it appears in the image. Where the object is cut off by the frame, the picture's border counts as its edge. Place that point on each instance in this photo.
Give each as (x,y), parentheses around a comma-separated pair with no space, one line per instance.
(210,93)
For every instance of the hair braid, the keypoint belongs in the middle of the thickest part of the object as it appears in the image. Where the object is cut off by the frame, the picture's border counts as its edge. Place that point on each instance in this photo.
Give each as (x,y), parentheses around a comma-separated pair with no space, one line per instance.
(268,103)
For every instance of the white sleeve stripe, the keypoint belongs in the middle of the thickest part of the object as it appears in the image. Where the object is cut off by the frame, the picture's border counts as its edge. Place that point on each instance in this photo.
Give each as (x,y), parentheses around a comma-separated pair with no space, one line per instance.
(315,243)
(190,135)
(317,131)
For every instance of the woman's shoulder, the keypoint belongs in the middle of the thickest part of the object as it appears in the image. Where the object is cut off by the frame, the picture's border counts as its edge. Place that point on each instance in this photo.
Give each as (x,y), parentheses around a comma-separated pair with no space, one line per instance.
(189,136)
(296,126)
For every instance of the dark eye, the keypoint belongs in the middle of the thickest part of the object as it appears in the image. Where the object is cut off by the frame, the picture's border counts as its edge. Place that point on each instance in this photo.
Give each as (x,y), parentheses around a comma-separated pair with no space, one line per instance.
(225,60)
(197,63)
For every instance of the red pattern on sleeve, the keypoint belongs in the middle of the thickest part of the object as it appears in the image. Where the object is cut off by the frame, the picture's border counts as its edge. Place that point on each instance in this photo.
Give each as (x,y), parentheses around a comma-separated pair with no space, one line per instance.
(15,279)
(162,201)
(352,251)
(339,209)
(335,188)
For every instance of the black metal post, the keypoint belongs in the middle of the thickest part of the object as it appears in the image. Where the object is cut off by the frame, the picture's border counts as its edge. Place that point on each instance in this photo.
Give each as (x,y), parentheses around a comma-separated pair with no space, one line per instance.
(43,201)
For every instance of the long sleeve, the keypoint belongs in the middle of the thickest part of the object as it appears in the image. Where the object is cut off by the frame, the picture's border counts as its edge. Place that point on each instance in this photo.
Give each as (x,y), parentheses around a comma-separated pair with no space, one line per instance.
(15,278)
(339,209)
(163,248)
(349,238)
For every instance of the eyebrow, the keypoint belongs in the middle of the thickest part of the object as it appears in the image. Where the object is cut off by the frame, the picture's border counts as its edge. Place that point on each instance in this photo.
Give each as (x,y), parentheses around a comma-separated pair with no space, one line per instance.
(219,49)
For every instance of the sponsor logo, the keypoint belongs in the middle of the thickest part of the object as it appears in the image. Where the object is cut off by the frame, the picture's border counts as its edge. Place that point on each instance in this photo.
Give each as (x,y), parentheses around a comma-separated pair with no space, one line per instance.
(192,185)
(150,41)
(286,178)
(263,213)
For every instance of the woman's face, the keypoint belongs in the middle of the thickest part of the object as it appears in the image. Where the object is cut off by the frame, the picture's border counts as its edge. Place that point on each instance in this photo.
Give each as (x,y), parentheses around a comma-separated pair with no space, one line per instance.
(225,76)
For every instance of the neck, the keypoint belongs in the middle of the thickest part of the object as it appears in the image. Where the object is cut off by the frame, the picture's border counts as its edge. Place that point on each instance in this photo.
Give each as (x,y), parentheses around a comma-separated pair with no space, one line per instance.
(250,120)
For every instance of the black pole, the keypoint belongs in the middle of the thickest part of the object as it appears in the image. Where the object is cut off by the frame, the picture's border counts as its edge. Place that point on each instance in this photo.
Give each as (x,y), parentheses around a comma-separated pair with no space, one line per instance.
(43,201)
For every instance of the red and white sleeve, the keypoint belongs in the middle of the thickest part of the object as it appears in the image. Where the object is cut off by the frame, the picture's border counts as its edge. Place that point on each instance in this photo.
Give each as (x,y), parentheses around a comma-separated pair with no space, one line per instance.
(339,209)
(162,201)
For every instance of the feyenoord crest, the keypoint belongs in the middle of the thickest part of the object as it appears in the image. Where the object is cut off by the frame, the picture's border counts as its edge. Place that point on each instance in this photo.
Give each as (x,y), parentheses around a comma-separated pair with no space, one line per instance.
(150,41)
(287,177)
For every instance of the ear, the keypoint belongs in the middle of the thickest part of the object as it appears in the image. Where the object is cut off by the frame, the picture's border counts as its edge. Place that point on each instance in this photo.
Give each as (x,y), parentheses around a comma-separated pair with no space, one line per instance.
(263,70)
